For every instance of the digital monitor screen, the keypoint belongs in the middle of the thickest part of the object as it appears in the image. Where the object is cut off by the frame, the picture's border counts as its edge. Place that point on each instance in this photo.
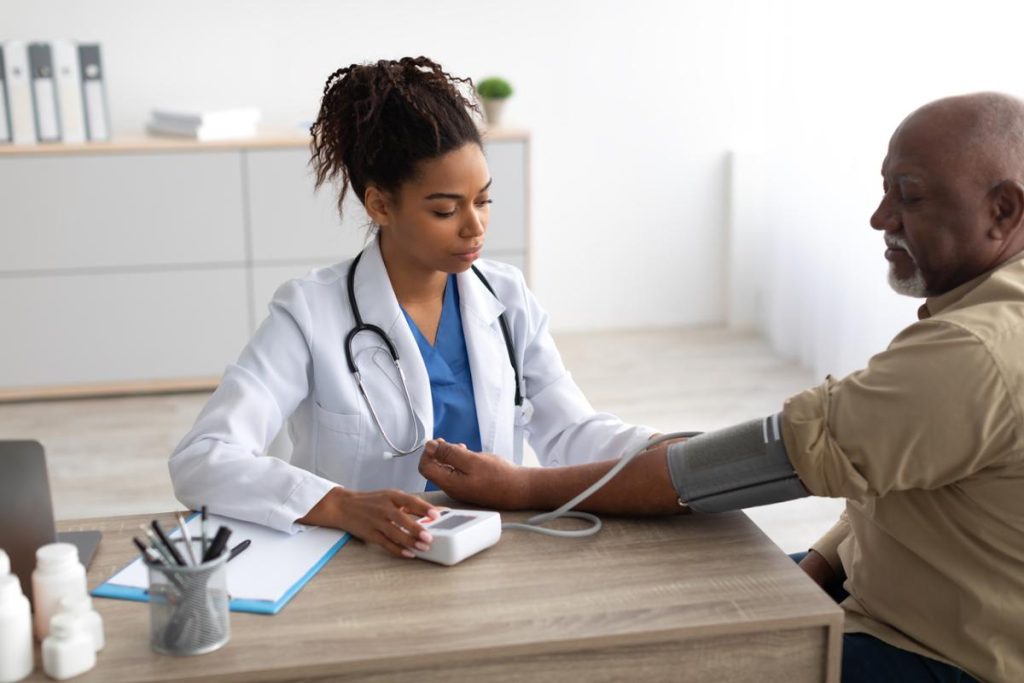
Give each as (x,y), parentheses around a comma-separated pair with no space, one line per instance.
(452,522)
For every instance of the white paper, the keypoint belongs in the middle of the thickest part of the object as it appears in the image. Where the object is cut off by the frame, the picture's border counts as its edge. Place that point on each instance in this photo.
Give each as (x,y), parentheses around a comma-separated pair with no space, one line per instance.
(272,564)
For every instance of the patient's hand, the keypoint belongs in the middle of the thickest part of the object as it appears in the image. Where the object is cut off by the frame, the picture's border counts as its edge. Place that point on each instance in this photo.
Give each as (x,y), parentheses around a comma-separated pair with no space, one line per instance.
(477,478)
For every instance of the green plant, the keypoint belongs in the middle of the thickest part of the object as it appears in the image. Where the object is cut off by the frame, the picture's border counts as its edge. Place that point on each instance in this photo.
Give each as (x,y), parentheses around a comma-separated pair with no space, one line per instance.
(494,88)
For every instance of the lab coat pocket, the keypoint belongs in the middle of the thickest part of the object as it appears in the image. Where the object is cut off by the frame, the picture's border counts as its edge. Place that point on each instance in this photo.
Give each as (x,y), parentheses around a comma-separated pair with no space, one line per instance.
(338,422)
(338,445)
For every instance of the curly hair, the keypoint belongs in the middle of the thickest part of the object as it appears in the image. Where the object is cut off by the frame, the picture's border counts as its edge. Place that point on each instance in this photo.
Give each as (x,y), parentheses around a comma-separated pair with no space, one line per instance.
(378,121)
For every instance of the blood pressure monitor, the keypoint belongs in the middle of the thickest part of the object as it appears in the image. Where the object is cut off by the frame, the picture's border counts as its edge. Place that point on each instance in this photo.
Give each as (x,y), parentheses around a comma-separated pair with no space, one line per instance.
(459,534)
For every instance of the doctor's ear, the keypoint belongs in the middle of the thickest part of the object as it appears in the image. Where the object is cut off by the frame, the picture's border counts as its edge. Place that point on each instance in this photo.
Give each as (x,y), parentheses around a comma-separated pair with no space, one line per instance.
(378,205)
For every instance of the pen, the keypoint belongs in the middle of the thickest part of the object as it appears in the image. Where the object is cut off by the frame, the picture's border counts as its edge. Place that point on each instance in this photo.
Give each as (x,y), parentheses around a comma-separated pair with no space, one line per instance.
(170,546)
(158,546)
(149,555)
(202,525)
(237,550)
(217,545)
(187,538)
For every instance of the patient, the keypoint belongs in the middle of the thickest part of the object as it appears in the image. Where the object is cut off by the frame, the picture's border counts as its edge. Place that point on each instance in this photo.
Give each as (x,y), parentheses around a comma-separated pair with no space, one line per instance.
(926,444)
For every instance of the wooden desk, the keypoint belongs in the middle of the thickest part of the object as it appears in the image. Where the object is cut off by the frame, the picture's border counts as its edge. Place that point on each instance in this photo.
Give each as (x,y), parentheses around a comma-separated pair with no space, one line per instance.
(684,598)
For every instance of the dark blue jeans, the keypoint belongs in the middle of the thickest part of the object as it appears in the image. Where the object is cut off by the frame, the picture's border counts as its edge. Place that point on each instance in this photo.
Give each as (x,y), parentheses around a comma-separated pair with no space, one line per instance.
(867,659)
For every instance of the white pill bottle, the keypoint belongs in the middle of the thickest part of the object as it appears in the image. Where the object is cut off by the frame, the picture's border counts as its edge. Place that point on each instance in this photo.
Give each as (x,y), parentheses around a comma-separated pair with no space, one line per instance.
(15,630)
(68,650)
(81,607)
(58,574)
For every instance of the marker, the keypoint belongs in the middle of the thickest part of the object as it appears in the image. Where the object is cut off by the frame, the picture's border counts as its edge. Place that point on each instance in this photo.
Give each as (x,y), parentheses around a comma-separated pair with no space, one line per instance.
(170,546)
(187,537)
(237,550)
(217,544)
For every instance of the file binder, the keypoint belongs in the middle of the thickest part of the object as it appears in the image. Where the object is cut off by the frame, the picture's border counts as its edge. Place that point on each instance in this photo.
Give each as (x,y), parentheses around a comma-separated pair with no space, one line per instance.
(5,117)
(97,120)
(19,94)
(69,90)
(44,92)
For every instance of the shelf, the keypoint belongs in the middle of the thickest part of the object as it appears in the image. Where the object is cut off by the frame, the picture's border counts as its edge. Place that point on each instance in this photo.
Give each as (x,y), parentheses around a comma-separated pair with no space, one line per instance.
(268,139)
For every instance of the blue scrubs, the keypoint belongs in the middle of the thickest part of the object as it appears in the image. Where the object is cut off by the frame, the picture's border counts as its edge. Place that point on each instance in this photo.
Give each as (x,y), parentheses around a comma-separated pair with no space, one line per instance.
(451,382)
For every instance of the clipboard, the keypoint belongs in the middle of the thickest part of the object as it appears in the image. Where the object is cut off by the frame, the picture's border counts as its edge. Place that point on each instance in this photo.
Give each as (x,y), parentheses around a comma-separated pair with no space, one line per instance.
(261,580)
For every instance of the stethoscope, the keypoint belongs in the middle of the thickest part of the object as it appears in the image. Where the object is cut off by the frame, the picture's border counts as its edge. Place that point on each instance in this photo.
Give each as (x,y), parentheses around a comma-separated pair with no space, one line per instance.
(419,437)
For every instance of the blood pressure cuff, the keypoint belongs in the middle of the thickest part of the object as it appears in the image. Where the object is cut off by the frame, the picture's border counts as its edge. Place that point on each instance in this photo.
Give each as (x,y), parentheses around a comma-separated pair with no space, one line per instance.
(738,467)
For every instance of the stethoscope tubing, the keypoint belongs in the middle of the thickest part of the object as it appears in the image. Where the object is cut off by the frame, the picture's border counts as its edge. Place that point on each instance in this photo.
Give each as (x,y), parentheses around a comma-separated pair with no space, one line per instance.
(419,437)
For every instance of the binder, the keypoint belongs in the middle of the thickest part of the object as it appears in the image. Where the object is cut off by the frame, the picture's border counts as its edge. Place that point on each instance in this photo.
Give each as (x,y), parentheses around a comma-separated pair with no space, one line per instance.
(69,90)
(44,92)
(19,94)
(97,119)
(5,116)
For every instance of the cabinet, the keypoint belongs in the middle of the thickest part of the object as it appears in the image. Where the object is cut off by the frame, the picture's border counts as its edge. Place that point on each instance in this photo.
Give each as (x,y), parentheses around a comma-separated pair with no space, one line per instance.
(146,265)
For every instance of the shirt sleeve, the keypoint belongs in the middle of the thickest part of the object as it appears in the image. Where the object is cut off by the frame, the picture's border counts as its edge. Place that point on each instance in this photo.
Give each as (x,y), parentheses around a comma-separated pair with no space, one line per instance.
(828,545)
(928,411)
(219,462)
(565,429)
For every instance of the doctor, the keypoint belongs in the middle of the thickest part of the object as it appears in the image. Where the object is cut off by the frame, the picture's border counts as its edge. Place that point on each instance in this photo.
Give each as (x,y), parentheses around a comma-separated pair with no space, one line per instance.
(475,361)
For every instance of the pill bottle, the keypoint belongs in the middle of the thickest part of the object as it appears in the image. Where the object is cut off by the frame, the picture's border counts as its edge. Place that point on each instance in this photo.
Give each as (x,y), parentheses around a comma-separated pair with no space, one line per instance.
(58,574)
(81,607)
(68,650)
(15,631)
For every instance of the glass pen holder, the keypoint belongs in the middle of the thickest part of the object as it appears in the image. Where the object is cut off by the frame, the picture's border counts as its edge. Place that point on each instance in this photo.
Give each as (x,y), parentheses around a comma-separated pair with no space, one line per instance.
(188,606)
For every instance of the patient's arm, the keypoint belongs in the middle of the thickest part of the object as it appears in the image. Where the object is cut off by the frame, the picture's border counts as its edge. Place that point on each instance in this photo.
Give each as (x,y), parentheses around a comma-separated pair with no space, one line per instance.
(642,487)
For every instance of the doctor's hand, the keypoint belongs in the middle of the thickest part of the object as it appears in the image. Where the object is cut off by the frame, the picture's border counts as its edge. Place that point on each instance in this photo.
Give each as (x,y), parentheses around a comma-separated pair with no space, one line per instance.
(477,478)
(386,518)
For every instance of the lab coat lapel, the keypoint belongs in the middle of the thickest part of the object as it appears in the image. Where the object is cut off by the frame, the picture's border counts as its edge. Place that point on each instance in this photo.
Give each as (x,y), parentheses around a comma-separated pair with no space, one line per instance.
(493,382)
(379,306)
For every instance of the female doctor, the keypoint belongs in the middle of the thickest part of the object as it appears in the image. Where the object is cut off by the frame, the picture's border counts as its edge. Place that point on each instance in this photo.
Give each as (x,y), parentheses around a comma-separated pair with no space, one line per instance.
(472,362)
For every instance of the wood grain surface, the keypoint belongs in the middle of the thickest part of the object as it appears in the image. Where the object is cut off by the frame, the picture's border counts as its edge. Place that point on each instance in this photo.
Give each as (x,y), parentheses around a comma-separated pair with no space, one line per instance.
(683,598)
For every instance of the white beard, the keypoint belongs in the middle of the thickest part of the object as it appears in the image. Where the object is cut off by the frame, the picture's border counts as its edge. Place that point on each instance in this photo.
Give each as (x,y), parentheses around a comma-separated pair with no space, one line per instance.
(910,286)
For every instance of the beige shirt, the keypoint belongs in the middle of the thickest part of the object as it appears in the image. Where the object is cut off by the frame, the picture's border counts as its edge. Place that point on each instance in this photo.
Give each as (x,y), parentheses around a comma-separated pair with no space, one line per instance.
(927,446)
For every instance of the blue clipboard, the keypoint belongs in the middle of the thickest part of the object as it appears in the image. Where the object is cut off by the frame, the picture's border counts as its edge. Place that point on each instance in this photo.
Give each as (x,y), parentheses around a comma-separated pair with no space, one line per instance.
(140,594)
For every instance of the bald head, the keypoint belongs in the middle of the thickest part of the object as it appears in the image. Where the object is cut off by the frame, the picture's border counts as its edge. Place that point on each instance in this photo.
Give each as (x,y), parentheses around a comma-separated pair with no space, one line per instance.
(981,133)
(954,192)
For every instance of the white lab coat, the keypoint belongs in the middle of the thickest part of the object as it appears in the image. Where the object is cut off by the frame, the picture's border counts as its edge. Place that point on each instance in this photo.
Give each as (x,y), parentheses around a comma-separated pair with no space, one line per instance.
(294,370)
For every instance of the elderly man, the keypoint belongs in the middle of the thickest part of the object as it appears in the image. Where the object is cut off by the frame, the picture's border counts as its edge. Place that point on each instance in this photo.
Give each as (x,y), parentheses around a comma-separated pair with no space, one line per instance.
(926,443)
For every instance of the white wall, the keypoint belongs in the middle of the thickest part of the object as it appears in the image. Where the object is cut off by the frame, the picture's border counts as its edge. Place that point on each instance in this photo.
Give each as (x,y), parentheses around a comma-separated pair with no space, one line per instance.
(833,82)
(630,104)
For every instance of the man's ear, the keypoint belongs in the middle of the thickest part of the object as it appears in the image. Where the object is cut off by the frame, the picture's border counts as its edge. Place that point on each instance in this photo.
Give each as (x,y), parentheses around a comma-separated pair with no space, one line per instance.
(378,206)
(1007,209)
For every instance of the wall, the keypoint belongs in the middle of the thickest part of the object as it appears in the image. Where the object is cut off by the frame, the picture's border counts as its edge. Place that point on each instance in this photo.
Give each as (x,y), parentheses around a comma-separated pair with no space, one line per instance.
(630,105)
(834,81)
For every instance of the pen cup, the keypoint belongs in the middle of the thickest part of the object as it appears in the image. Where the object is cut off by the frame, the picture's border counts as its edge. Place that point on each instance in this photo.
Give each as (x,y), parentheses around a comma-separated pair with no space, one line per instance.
(188,608)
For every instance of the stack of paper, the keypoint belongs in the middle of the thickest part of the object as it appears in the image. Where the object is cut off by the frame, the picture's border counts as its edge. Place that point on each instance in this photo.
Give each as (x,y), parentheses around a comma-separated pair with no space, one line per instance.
(205,124)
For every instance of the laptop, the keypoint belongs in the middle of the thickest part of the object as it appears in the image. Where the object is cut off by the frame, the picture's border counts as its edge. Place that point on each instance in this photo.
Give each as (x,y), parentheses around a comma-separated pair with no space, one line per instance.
(26,511)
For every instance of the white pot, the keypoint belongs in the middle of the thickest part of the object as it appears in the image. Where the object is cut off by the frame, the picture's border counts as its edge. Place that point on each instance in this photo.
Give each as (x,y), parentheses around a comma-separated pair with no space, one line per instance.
(492,111)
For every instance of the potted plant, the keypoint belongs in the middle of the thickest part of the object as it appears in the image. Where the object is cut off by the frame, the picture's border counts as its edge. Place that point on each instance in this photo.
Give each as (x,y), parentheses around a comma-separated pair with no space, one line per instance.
(493,92)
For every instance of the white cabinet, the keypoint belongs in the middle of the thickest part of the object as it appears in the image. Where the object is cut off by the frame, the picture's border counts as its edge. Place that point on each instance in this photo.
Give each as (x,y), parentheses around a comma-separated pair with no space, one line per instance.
(146,265)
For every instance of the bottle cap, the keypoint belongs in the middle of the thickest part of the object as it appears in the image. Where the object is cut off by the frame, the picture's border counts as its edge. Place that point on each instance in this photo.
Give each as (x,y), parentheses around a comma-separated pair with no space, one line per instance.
(56,556)
(75,604)
(5,564)
(10,588)
(63,625)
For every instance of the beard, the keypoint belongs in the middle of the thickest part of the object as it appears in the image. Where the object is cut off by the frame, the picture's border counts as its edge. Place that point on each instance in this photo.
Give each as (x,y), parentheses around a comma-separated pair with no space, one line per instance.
(913,285)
